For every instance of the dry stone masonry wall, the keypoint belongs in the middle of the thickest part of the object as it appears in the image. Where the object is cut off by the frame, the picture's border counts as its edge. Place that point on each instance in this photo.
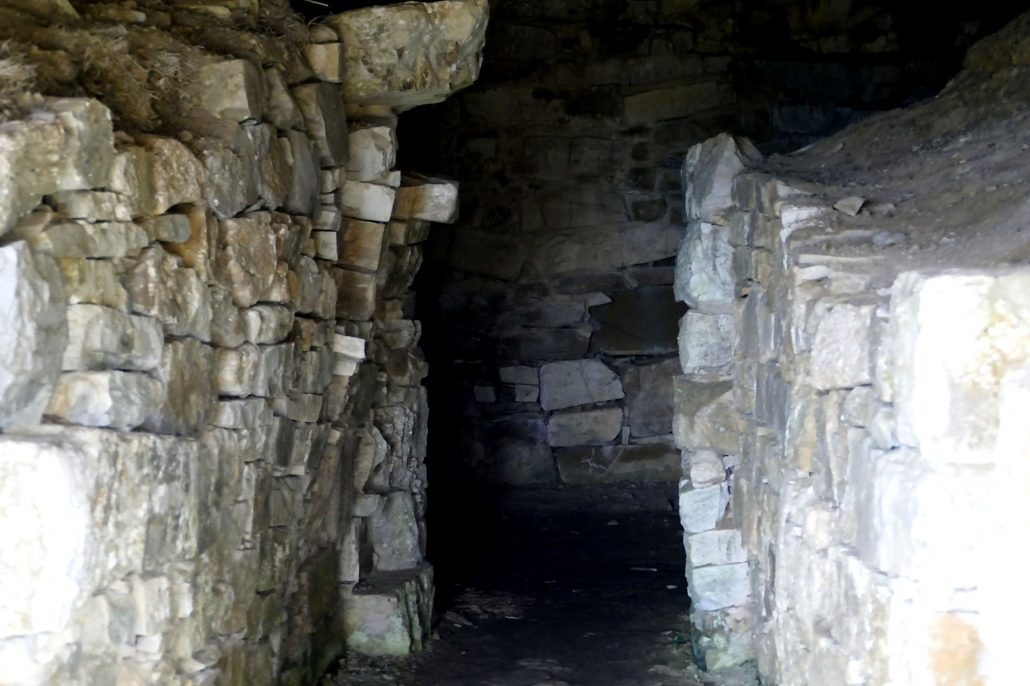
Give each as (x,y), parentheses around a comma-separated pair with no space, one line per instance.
(852,409)
(569,149)
(212,428)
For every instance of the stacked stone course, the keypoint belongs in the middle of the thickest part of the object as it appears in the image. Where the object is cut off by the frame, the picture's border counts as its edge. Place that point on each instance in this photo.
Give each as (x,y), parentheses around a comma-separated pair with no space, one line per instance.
(213,428)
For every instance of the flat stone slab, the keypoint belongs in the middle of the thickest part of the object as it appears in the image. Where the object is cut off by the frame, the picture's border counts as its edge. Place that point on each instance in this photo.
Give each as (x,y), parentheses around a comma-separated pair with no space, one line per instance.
(389,613)
(584,428)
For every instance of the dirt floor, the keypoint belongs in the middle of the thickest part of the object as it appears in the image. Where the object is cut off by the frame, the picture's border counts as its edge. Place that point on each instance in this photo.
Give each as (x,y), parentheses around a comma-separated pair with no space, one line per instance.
(552,599)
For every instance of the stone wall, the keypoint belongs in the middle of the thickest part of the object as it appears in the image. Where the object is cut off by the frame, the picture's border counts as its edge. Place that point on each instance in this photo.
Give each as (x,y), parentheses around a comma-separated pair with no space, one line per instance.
(855,365)
(569,149)
(212,428)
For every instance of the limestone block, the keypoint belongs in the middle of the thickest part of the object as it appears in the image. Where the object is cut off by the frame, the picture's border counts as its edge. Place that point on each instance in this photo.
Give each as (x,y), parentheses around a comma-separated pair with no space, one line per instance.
(349,346)
(326,247)
(313,370)
(701,509)
(67,146)
(300,407)
(393,533)
(99,337)
(233,90)
(842,347)
(363,244)
(577,382)
(281,110)
(231,185)
(724,638)
(605,247)
(246,258)
(34,334)
(228,330)
(618,463)
(716,587)
(177,176)
(274,172)
(367,201)
(79,239)
(706,418)
(715,547)
(441,42)
(325,120)
(92,206)
(119,400)
(188,373)
(709,170)
(638,322)
(527,394)
(703,468)
(649,397)
(519,375)
(355,294)
(92,281)
(302,193)
(388,613)
(704,269)
(326,60)
(318,290)
(373,152)
(428,199)
(242,413)
(159,287)
(590,427)
(706,342)
(254,370)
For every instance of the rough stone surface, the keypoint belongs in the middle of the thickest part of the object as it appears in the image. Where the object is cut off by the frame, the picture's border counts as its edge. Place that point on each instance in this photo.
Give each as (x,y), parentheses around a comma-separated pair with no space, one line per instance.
(584,428)
(577,382)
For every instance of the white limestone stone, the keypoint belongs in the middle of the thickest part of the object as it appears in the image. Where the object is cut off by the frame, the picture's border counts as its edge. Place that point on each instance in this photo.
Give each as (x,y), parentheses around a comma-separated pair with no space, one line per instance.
(167,228)
(265,324)
(704,269)
(715,547)
(33,336)
(81,239)
(325,120)
(270,161)
(368,201)
(709,170)
(159,287)
(93,281)
(704,468)
(233,90)
(231,186)
(254,370)
(706,342)
(187,372)
(246,256)
(701,509)
(300,407)
(326,246)
(842,347)
(281,110)
(349,346)
(590,427)
(177,175)
(716,587)
(577,382)
(428,199)
(373,152)
(393,533)
(119,400)
(99,338)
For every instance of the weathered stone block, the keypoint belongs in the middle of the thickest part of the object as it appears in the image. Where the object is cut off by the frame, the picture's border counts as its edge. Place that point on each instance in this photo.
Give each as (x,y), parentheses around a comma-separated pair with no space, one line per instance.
(93,281)
(649,397)
(34,334)
(369,201)
(363,244)
(842,347)
(99,337)
(233,90)
(427,199)
(327,60)
(704,269)
(709,170)
(92,206)
(442,43)
(120,400)
(584,428)
(246,257)
(701,509)
(577,382)
(373,152)
(715,547)
(281,108)
(716,587)
(82,240)
(355,294)
(325,120)
(393,533)
(188,375)
(159,287)
(254,370)
(388,613)
(706,342)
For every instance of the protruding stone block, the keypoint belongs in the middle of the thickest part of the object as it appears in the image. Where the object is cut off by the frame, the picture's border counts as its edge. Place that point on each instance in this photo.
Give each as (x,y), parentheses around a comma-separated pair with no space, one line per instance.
(325,120)
(373,152)
(233,90)
(246,258)
(704,269)
(709,170)
(367,201)
(428,199)
(327,60)
(389,613)
(716,587)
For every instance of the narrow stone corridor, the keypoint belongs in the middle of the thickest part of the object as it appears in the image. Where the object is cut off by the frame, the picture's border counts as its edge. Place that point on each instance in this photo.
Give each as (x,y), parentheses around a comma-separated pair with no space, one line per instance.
(556,598)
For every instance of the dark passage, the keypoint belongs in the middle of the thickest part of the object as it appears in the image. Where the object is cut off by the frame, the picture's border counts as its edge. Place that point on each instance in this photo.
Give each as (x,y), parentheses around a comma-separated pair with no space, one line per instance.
(555,597)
